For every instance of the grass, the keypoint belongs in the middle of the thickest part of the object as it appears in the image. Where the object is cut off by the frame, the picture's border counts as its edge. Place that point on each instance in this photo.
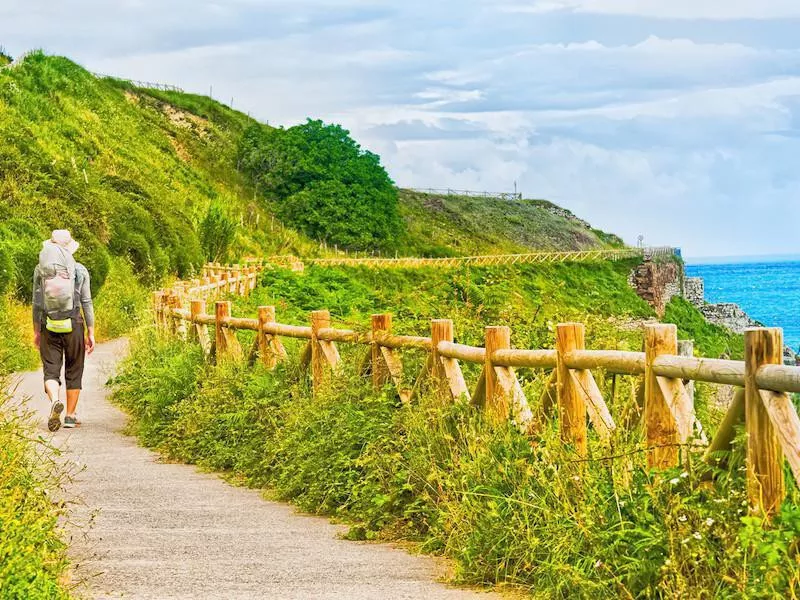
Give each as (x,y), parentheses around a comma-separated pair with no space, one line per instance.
(33,562)
(506,510)
(531,299)
(440,225)
(131,172)
(122,304)
(16,346)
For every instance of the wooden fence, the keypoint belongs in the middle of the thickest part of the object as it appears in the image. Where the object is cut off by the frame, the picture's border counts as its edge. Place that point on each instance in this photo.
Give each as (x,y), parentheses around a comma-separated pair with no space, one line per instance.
(469,193)
(762,399)
(470,261)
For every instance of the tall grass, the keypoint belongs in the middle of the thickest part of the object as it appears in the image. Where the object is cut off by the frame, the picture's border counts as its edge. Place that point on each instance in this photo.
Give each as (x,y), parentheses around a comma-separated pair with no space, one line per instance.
(16,344)
(33,562)
(506,508)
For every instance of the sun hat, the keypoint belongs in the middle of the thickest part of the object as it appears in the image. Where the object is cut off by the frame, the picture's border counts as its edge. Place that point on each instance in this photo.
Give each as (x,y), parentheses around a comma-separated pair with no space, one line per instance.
(63,238)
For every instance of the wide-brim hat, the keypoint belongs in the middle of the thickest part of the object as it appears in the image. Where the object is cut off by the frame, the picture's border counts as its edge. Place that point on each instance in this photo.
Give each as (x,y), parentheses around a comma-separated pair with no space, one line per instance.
(63,238)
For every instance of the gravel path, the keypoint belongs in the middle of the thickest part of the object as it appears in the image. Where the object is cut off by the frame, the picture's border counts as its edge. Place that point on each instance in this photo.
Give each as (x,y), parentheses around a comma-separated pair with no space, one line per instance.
(167,531)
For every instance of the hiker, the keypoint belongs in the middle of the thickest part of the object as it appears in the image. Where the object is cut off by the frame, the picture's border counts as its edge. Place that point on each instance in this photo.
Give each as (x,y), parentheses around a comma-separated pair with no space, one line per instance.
(60,290)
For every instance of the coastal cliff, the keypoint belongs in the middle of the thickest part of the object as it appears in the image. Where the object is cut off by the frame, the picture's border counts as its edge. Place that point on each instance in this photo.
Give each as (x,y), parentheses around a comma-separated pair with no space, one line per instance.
(658,283)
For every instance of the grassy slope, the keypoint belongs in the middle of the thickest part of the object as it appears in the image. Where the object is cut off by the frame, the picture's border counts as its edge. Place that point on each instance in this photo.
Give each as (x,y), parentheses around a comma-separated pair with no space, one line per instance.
(103,159)
(458,225)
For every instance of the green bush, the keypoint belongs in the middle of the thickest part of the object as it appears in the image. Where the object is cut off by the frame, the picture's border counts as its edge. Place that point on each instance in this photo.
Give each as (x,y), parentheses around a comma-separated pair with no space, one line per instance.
(217,232)
(16,351)
(33,560)
(324,183)
(122,303)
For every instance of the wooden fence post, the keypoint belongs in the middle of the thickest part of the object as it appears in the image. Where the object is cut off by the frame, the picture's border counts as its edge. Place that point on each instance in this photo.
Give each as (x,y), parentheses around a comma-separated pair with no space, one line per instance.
(381,323)
(270,347)
(661,429)
(441,331)
(223,309)
(765,484)
(320,319)
(173,301)
(571,403)
(497,402)
(197,331)
(157,308)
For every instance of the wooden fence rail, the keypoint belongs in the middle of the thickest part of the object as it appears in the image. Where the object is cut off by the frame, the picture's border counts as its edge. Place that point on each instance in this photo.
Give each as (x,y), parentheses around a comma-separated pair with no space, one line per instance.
(670,426)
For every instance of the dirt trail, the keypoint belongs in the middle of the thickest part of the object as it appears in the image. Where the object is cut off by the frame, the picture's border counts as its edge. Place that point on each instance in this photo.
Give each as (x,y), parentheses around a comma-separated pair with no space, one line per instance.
(167,531)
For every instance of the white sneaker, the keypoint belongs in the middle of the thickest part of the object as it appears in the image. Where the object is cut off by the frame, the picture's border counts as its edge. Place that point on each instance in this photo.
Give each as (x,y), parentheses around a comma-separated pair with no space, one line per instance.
(54,422)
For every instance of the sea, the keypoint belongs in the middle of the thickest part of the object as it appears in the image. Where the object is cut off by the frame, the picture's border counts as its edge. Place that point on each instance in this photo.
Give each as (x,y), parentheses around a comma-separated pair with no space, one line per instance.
(767,288)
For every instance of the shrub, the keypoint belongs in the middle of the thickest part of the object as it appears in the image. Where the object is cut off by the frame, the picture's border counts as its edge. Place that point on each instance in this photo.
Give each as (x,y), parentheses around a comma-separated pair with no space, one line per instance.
(121,304)
(324,183)
(217,232)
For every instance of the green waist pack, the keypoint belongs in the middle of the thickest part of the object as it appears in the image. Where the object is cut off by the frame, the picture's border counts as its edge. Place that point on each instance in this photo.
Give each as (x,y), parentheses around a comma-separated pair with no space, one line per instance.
(59,326)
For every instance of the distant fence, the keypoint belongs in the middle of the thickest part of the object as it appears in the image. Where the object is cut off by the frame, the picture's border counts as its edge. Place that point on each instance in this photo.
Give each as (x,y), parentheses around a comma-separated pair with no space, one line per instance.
(165,87)
(670,427)
(470,193)
(495,259)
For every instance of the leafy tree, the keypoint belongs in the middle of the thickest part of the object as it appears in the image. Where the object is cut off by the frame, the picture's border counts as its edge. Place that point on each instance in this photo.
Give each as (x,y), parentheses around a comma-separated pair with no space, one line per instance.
(216,233)
(324,183)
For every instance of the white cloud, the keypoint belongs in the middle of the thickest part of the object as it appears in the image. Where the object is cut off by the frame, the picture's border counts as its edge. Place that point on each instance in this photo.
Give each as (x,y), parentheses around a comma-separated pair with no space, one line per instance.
(666,9)
(663,117)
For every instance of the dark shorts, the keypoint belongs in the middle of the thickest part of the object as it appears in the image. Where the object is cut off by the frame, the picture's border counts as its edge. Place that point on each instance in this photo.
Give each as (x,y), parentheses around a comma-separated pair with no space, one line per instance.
(68,349)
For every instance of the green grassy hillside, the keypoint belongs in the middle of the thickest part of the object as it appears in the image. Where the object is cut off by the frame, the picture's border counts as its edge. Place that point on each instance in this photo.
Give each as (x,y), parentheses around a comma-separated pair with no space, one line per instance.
(440,225)
(132,173)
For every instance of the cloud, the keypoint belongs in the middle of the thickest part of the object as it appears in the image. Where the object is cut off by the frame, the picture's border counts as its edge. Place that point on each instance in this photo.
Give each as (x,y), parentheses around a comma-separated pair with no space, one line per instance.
(675,119)
(666,9)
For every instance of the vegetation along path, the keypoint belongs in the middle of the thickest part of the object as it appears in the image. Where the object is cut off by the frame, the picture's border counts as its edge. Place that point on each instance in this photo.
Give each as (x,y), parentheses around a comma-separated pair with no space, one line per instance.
(168,531)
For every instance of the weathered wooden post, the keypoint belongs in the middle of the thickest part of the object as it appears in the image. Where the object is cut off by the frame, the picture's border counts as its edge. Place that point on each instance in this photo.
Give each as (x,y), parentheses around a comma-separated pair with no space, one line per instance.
(765,484)
(173,302)
(381,323)
(571,403)
(223,310)
(269,346)
(686,348)
(157,308)
(497,402)
(441,331)
(254,277)
(196,330)
(320,319)
(241,286)
(661,429)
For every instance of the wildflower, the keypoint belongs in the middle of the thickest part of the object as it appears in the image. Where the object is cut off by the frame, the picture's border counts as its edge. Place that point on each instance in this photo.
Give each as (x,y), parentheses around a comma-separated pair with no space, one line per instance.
(684,475)
(709,522)
(682,518)
(598,564)
(697,535)
(675,481)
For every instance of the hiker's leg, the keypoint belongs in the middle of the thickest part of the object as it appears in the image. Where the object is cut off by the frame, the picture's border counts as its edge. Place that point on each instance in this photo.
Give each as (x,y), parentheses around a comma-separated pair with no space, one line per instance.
(75,353)
(51,349)
(72,401)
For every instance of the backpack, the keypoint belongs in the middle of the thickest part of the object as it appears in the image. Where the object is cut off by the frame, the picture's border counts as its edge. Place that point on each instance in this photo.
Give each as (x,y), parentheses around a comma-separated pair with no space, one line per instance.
(57,270)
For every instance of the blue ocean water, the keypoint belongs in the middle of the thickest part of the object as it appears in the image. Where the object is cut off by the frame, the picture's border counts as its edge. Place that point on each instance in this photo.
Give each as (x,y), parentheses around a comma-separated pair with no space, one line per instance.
(767,291)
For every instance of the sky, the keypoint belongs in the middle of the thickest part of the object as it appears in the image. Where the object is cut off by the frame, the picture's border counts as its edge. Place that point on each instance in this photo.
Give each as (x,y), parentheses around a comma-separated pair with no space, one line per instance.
(677,120)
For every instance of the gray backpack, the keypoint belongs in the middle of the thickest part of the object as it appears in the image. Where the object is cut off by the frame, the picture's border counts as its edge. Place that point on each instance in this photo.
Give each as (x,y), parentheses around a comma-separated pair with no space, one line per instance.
(57,272)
